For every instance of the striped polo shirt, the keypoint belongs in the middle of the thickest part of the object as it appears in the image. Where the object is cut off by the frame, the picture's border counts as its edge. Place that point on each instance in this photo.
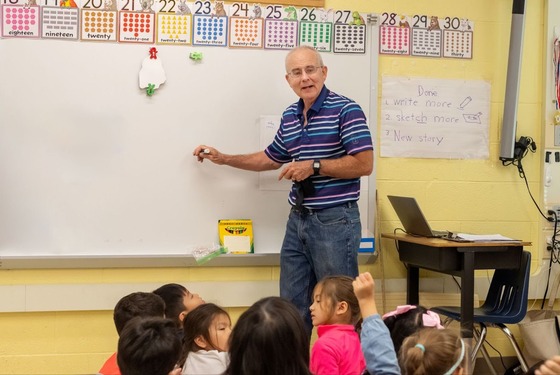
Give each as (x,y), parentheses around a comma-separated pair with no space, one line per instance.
(336,126)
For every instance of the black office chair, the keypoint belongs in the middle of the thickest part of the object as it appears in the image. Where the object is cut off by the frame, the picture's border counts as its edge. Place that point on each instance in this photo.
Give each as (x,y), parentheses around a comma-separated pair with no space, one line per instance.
(506,303)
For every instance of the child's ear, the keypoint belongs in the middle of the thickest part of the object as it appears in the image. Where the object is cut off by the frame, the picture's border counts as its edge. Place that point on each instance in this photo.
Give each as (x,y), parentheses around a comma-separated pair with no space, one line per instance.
(182,316)
(201,342)
(341,307)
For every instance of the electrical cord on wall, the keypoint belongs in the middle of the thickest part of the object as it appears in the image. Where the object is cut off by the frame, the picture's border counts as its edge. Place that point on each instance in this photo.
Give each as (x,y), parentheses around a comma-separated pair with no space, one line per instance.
(554,246)
(553,254)
(522,147)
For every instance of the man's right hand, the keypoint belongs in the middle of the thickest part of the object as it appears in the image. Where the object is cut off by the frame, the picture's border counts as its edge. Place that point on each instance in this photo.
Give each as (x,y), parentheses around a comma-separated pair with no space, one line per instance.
(257,161)
(205,152)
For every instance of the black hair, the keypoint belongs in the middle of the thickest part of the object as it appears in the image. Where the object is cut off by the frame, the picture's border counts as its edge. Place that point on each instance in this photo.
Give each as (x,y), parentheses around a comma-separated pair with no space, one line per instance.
(403,325)
(173,295)
(269,338)
(148,346)
(136,304)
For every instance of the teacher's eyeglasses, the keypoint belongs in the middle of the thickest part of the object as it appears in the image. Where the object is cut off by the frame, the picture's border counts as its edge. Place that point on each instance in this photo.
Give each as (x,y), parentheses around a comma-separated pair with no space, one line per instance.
(309,70)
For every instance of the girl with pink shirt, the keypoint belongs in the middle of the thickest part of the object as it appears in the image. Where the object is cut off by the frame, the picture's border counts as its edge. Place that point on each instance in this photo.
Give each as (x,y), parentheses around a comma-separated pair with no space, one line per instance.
(336,314)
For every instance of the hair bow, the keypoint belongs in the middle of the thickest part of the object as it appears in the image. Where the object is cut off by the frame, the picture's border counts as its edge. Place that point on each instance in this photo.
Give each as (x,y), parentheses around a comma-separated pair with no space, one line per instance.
(431,319)
(400,310)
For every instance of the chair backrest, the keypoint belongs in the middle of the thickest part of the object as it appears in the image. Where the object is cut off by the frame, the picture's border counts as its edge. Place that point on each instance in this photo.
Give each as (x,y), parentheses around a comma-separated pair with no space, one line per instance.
(507,296)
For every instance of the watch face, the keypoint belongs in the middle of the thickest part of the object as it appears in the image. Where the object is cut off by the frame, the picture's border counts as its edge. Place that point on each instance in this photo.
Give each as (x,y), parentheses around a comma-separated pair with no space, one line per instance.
(316,167)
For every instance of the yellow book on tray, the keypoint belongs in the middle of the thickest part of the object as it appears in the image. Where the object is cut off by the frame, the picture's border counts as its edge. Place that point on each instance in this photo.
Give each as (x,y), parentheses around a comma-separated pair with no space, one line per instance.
(236,235)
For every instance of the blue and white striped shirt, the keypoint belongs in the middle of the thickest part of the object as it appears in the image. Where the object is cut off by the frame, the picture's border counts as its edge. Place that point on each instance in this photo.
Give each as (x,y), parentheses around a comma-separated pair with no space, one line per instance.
(336,126)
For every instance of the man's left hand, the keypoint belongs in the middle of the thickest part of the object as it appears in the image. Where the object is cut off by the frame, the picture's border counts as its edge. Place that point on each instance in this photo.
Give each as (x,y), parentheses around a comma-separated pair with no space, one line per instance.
(297,170)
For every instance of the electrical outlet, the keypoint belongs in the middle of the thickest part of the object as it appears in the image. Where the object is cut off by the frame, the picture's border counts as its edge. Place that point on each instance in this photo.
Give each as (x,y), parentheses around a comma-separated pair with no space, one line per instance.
(555,208)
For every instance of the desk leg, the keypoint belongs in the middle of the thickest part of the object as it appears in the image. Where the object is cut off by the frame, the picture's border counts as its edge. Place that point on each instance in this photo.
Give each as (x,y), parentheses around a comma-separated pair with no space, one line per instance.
(467,295)
(467,306)
(412,287)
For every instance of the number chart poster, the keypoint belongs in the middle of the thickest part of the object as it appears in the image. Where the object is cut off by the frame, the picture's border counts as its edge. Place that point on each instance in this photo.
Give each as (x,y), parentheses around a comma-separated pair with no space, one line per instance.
(427,36)
(178,22)
(434,118)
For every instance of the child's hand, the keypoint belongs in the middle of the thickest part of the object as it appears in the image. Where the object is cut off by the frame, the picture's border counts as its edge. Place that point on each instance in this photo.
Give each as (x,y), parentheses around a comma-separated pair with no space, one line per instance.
(364,288)
(364,285)
(550,367)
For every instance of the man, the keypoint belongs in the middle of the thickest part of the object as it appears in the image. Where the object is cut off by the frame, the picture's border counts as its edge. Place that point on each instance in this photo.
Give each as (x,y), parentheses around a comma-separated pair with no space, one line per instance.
(325,146)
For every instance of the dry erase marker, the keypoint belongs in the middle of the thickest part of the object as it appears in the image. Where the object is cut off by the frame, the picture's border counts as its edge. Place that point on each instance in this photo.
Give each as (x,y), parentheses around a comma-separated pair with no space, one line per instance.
(205,151)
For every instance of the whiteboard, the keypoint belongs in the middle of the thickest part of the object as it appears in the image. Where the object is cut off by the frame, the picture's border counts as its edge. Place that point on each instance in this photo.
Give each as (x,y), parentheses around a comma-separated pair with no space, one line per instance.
(91,165)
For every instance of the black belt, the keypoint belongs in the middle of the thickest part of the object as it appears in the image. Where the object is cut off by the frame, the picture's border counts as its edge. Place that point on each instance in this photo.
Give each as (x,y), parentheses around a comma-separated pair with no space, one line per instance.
(309,211)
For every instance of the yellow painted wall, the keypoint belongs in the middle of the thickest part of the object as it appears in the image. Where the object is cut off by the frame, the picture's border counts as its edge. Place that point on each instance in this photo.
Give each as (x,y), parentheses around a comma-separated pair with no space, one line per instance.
(471,196)
(478,196)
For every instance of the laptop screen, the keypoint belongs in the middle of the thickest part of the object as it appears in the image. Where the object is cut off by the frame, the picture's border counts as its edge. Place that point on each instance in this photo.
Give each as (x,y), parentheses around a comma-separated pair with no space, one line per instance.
(411,216)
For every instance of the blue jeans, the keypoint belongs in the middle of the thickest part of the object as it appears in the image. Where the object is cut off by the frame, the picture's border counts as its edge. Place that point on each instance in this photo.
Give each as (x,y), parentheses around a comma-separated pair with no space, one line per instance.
(318,243)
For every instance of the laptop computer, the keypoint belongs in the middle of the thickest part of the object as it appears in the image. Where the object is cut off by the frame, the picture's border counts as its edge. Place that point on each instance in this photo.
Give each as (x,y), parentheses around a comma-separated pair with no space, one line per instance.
(412,218)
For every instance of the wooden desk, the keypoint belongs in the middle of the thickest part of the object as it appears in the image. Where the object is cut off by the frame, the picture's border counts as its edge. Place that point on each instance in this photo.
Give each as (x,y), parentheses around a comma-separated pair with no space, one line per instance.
(454,258)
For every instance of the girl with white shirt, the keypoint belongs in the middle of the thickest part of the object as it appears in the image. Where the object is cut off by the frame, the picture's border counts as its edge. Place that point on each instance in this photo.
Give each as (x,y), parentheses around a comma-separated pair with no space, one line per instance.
(205,342)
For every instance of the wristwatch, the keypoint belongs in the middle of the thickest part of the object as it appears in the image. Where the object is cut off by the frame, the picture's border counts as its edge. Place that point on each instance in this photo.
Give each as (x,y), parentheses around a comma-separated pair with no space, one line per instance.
(316,167)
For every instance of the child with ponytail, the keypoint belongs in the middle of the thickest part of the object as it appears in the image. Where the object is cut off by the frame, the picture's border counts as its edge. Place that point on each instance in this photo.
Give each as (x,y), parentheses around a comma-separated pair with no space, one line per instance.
(433,352)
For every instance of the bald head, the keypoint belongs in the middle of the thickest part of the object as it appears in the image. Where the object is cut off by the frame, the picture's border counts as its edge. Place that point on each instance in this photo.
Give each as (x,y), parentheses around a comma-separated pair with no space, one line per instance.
(297,50)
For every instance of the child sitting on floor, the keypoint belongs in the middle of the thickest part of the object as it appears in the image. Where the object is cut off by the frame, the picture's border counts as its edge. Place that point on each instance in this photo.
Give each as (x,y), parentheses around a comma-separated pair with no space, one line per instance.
(408,319)
(336,314)
(138,304)
(269,338)
(179,301)
(149,346)
(433,352)
(205,342)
